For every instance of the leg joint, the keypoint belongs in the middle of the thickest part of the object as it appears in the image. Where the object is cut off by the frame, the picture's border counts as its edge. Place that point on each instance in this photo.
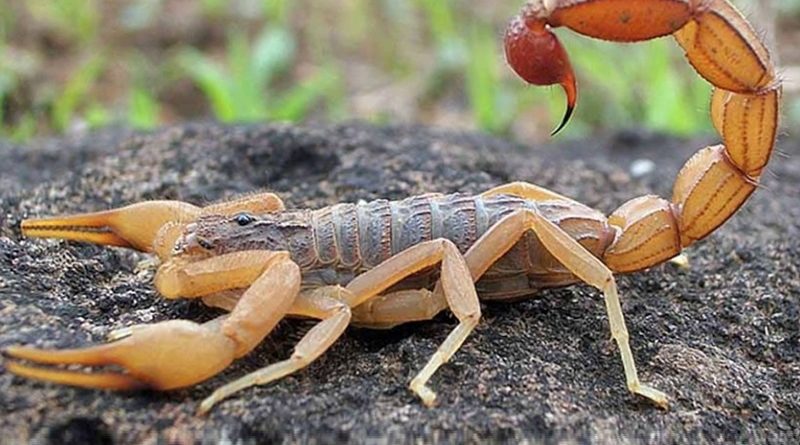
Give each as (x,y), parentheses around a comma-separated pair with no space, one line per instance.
(472,318)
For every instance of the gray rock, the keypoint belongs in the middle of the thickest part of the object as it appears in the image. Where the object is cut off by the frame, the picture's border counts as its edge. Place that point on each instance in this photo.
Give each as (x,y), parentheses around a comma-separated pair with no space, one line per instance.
(721,338)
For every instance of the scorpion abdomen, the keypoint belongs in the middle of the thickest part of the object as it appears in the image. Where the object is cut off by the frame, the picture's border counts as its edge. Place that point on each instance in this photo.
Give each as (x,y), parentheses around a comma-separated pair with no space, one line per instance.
(351,238)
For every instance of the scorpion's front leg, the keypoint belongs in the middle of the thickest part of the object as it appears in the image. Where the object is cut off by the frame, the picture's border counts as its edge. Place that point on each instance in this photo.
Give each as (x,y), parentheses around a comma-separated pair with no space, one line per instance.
(179,353)
(326,304)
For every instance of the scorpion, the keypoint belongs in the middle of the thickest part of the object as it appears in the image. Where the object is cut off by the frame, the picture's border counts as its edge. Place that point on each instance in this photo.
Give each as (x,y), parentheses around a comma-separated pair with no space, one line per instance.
(383,263)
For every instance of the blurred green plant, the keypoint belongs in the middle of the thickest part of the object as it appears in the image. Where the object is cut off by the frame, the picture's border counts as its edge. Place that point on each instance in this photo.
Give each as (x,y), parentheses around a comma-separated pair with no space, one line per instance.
(144,110)
(440,16)
(291,59)
(243,89)
(75,94)
(648,83)
(491,102)
(74,19)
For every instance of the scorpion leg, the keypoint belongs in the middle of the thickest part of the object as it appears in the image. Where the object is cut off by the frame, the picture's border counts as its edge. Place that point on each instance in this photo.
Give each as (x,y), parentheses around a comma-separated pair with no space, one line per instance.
(179,353)
(525,190)
(503,235)
(255,203)
(389,310)
(326,304)
(459,291)
(225,300)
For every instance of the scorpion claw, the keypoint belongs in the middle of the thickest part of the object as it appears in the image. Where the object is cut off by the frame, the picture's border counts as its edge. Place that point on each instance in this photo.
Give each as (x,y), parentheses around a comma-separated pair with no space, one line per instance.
(135,226)
(167,355)
(106,380)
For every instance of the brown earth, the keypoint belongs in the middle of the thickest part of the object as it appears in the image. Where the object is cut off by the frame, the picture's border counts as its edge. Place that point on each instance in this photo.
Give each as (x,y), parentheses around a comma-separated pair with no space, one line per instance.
(721,338)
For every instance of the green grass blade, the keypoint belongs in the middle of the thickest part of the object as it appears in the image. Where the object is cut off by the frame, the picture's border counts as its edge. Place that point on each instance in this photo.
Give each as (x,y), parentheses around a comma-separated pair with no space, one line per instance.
(273,52)
(75,91)
(296,103)
(481,82)
(143,110)
(212,81)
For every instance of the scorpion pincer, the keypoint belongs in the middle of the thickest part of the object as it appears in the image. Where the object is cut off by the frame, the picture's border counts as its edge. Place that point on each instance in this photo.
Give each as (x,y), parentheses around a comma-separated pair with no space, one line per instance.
(384,263)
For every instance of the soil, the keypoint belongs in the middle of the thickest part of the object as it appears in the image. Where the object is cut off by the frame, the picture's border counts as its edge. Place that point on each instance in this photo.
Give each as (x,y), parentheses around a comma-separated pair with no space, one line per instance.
(720,337)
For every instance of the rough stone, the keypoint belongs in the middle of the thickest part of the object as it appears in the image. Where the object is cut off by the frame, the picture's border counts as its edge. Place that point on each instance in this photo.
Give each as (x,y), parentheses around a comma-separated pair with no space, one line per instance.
(721,338)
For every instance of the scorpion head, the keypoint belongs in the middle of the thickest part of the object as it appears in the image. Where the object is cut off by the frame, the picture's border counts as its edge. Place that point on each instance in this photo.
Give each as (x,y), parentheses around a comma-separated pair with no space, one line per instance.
(212,235)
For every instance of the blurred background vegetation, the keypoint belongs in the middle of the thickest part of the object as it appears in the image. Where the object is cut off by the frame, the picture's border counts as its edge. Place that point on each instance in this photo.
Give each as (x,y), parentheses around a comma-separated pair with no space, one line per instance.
(74,65)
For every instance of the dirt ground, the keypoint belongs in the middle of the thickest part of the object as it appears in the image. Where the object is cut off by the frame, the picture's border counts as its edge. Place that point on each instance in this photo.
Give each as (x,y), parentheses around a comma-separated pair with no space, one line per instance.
(721,338)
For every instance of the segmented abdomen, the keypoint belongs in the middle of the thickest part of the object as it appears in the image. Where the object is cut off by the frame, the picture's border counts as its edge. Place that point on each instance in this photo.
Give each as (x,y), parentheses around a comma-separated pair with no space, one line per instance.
(363,235)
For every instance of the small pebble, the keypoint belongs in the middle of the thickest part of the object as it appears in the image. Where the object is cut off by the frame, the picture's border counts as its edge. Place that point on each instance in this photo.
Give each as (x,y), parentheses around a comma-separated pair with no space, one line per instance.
(682,261)
(641,167)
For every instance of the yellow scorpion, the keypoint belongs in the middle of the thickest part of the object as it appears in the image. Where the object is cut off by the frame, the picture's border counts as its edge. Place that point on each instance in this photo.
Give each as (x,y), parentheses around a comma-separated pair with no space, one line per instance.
(384,263)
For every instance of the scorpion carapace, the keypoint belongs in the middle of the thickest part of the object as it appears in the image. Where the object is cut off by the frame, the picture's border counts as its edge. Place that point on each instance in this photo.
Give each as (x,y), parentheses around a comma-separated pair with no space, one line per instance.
(383,263)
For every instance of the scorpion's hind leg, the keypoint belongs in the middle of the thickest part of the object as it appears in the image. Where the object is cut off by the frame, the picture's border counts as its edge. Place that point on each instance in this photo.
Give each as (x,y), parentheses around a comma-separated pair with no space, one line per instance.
(503,235)
(180,353)
(456,283)
(327,304)
(389,310)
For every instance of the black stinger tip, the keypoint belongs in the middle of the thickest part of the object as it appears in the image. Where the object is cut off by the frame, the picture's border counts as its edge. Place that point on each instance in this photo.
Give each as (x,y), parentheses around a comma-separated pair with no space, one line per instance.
(567,115)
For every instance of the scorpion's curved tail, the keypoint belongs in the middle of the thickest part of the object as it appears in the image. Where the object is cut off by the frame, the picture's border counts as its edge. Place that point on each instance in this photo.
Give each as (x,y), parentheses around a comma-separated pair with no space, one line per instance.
(724,50)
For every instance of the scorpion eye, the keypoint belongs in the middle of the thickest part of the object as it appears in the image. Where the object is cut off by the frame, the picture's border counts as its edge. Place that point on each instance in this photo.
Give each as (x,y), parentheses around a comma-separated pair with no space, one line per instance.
(244,219)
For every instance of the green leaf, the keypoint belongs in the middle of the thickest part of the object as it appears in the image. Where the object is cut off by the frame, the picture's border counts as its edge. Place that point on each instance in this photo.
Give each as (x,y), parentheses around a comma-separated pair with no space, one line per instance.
(144,110)
(295,104)
(75,91)
(482,82)
(272,54)
(212,81)
(97,116)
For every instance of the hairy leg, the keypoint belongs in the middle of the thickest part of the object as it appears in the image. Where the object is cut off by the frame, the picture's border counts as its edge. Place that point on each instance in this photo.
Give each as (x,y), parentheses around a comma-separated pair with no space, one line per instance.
(324,303)
(457,287)
(503,235)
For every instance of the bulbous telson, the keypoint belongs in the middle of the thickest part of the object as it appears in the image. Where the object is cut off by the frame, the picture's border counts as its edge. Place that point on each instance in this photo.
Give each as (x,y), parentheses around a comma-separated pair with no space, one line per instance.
(536,55)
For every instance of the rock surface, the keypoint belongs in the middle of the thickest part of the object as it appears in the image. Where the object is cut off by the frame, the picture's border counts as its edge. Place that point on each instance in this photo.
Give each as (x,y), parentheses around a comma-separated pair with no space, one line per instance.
(722,338)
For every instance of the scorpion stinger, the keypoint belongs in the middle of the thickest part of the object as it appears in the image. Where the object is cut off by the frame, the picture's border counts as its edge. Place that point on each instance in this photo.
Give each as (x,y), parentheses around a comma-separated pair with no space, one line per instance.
(537,56)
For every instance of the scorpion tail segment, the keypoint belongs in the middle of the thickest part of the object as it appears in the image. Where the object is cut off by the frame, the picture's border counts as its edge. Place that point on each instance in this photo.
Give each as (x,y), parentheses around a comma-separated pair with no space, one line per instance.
(620,21)
(716,181)
(724,49)
(536,55)
(135,226)
(167,355)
